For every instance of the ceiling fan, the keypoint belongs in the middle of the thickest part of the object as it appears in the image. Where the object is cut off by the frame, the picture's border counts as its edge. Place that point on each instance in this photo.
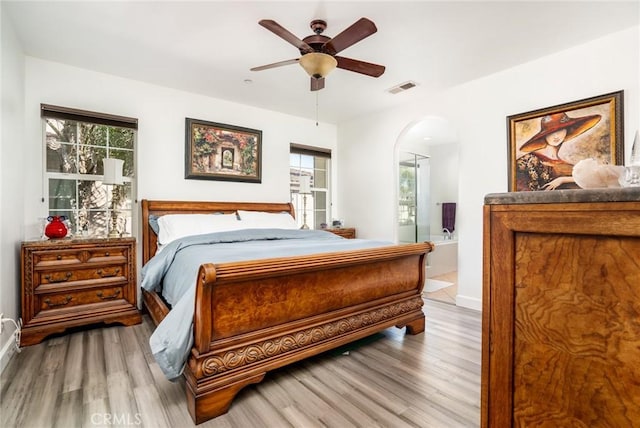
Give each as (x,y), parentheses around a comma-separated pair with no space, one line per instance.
(318,52)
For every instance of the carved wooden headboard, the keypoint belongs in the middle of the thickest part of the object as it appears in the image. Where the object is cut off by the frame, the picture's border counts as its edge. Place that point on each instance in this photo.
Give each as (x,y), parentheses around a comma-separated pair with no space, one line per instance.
(158,208)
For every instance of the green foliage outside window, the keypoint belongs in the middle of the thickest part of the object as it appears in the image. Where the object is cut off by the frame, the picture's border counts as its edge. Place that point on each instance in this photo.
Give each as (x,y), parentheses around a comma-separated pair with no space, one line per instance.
(74,170)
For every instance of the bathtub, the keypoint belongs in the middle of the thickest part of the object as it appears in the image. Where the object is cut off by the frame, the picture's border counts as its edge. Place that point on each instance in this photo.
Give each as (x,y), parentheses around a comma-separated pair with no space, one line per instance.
(444,257)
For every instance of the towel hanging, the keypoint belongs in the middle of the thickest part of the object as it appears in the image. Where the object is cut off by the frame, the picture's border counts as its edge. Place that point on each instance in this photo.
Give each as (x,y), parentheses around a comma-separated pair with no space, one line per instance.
(449,216)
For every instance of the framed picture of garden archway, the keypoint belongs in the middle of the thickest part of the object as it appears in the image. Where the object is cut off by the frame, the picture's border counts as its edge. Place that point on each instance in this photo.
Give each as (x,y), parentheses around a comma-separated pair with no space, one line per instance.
(545,144)
(216,151)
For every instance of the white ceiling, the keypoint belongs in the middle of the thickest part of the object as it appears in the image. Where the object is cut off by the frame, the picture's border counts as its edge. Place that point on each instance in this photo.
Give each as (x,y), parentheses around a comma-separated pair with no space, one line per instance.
(208,47)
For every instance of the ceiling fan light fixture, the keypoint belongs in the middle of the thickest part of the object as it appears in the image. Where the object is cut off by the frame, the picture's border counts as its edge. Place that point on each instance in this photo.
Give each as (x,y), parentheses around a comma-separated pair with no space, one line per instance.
(318,64)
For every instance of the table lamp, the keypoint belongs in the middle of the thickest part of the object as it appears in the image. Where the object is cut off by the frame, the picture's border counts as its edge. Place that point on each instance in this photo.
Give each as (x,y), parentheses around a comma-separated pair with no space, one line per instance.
(305,189)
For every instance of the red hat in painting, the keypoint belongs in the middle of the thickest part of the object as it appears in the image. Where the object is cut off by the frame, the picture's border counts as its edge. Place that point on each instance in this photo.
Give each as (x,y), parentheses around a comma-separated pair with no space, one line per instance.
(556,122)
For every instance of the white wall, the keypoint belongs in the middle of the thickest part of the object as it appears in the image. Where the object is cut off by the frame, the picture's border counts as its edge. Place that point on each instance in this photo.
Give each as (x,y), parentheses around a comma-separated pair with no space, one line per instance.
(11,192)
(478,111)
(161,114)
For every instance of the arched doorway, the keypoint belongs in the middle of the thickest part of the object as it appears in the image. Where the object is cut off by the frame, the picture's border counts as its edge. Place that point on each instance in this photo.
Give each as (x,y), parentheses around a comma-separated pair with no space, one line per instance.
(426,165)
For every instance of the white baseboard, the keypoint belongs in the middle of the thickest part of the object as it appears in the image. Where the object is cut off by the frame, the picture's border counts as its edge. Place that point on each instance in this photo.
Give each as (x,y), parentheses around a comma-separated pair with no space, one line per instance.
(6,353)
(469,302)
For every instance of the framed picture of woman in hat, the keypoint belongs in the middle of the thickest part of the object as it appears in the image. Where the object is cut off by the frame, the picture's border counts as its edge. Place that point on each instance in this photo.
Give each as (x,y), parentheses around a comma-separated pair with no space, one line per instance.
(545,144)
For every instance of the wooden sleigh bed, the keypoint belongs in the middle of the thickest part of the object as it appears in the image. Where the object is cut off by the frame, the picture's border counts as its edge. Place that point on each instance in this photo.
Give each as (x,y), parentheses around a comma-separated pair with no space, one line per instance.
(339,297)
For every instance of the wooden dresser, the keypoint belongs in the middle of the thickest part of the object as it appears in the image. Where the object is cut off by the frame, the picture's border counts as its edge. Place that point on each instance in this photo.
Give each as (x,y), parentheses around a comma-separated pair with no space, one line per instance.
(73,282)
(561,309)
(345,232)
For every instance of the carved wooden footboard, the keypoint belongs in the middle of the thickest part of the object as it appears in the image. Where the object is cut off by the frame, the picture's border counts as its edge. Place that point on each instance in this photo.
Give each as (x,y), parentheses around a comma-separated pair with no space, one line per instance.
(252,317)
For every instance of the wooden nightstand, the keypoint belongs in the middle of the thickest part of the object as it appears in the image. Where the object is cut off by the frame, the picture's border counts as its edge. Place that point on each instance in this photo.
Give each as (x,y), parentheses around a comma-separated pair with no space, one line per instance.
(73,282)
(345,232)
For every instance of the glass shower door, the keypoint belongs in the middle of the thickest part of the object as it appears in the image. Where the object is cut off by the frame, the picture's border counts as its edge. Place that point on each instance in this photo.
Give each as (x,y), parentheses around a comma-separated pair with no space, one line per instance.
(413,198)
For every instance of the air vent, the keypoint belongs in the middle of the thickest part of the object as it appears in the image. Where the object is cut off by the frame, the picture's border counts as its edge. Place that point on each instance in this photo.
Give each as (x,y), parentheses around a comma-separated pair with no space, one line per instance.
(402,87)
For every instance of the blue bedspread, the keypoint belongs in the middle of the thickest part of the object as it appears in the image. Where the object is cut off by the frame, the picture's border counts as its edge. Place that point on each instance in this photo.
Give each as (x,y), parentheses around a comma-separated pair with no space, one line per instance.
(174,270)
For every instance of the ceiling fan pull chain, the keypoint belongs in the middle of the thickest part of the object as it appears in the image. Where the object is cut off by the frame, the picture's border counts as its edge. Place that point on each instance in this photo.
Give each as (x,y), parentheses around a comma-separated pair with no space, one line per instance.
(316,108)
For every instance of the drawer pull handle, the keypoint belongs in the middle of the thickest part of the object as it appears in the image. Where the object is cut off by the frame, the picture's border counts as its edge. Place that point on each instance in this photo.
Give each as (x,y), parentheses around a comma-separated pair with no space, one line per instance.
(106,254)
(51,279)
(113,296)
(59,257)
(104,274)
(66,300)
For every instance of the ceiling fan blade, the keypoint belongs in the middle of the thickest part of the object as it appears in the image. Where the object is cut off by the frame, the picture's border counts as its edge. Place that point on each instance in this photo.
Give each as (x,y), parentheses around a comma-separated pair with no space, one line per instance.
(357,31)
(373,70)
(282,32)
(275,64)
(317,84)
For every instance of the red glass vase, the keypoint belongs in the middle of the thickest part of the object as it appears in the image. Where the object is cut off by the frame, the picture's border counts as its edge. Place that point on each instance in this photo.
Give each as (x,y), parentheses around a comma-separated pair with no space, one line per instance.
(56,229)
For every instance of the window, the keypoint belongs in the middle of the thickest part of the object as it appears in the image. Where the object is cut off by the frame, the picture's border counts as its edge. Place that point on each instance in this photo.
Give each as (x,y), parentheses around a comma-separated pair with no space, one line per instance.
(316,164)
(75,142)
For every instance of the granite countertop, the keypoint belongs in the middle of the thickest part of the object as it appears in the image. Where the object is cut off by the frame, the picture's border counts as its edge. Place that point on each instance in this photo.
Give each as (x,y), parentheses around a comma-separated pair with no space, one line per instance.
(78,239)
(615,194)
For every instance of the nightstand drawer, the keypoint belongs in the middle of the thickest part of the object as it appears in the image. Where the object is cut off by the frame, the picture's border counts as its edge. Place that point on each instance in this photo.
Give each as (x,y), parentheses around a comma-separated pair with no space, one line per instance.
(44,259)
(107,255)
(77,298)
(70,276)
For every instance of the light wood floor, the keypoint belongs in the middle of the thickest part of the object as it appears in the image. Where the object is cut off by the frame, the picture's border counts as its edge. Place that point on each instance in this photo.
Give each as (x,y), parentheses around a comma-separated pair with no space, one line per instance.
(447,294)
(107,377)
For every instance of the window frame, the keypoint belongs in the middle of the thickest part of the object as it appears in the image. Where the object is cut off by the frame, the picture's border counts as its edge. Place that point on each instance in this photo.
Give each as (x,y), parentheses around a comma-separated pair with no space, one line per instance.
(300,149)
(89,117)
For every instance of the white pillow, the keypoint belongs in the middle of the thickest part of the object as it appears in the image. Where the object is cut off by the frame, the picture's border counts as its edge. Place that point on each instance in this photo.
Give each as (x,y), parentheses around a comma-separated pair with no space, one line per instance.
(265,220)
(175,226)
